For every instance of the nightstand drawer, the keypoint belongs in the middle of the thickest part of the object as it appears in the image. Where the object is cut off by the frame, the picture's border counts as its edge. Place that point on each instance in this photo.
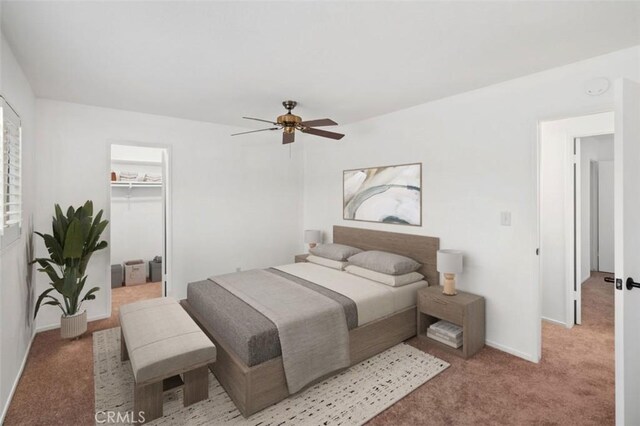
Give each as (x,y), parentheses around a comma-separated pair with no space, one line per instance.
(439,306)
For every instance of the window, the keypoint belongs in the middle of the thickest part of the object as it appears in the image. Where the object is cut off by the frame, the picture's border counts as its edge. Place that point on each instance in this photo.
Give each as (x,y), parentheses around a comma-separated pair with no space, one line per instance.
(11,161)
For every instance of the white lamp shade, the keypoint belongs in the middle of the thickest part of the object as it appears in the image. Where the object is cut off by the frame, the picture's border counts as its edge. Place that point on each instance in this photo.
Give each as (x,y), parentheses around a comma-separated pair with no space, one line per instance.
(312,236)
(449,261)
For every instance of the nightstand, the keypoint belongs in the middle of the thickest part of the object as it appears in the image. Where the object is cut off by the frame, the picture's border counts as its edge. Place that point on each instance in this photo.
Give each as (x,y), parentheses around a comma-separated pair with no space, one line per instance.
(301,258)
(463,309)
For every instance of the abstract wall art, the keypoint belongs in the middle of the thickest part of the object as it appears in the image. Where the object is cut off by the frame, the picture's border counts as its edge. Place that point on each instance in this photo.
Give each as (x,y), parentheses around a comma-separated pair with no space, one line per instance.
(389,194)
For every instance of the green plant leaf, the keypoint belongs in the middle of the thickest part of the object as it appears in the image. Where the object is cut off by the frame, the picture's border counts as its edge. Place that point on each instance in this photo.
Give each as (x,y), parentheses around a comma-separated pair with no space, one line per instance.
(43,261)
(90,294)
(94,233)
(88,208)
(70,283)
(51,272)
(98,218)
(54,248)
(60,223)
(73,242)
(85,228)
(97,231)
(40,299)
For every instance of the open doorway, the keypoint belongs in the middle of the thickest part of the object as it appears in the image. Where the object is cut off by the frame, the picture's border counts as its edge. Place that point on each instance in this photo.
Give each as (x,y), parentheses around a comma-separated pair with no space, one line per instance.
(595,233)
(576,235)
(577,327)
(139,209)
(568,147)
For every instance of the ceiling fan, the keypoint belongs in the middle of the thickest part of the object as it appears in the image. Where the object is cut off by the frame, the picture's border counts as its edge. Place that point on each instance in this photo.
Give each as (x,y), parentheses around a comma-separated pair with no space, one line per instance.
(289,123)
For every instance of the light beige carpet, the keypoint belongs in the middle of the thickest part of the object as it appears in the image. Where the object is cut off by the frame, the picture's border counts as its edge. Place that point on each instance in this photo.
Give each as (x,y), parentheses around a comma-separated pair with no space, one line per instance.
(349,398)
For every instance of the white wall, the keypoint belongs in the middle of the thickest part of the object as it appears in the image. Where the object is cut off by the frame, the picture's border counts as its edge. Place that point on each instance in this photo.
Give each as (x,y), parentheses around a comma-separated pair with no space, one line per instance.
(135,153)
(589,152)
(479,155)
(606,227)
(594,148)
(16,302)
(236,201)
(136,211)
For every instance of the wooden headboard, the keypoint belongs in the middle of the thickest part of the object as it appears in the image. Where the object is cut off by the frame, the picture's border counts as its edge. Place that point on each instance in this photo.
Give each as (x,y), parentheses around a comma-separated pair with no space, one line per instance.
(418,247)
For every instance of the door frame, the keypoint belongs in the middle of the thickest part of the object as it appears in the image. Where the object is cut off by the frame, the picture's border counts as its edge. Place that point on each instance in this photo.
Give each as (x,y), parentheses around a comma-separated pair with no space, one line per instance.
(600,122)
(167,200)
(594,226)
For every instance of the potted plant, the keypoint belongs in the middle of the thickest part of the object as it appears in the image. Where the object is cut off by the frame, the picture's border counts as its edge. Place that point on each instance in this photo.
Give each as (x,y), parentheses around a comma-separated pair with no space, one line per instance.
(74,240)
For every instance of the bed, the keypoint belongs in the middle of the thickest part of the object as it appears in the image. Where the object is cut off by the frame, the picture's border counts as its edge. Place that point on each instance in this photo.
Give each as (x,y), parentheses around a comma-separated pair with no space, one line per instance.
(250,363)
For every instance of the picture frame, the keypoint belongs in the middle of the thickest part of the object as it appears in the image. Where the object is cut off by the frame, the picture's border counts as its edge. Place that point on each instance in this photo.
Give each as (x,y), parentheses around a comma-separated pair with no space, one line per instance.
(384,194)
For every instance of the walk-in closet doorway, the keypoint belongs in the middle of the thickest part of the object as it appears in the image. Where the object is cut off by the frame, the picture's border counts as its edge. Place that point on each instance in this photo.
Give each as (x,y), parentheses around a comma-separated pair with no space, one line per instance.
(139,209)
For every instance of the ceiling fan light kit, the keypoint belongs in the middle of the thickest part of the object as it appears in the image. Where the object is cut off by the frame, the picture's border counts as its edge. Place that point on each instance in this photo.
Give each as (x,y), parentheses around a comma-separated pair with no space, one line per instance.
(289,123)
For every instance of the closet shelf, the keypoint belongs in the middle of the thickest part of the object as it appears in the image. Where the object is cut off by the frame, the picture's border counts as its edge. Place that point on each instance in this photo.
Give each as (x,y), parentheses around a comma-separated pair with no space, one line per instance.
(118,184)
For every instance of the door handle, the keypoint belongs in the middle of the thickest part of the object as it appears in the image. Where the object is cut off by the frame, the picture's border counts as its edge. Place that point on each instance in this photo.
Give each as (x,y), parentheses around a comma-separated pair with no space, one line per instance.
(631,284)
(618,282)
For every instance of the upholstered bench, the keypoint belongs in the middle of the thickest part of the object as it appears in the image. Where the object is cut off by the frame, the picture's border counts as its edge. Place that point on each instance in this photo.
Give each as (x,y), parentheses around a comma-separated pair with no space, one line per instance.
(163,342)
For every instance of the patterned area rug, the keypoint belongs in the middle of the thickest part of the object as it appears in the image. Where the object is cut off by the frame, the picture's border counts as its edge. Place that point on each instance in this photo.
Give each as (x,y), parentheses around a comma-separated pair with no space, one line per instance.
(348,398)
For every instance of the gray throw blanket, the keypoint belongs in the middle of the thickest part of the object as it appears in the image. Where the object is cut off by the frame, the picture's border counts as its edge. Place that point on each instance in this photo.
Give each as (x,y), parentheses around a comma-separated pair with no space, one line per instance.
(312,328)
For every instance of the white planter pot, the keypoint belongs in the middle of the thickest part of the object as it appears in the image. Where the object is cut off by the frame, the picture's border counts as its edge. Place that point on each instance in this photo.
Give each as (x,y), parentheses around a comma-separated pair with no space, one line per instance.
(73,325)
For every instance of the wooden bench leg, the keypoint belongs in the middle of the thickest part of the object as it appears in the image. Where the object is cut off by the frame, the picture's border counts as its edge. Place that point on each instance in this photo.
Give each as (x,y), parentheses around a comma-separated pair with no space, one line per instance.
(147,399)
(124,354)
(196,385)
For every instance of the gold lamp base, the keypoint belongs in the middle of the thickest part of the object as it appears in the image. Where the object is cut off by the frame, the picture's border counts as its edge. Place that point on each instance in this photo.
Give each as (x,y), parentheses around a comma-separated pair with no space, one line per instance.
(449,285)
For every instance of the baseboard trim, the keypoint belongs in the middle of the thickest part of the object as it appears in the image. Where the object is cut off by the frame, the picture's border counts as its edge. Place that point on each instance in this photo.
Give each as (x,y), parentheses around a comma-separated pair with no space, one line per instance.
(553,321)
(5,409)
(57,325)
(511,351)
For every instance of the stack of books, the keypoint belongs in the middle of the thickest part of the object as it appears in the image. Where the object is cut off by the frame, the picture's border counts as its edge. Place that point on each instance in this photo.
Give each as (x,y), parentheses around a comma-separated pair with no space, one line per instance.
(446,332)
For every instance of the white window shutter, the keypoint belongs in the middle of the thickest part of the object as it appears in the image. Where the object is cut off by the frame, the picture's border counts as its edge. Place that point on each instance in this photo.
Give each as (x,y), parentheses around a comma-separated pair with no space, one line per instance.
(11,161)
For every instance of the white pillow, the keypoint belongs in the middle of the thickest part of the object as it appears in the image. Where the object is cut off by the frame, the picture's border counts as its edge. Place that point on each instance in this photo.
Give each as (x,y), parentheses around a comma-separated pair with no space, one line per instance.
(335,264)
(391,280)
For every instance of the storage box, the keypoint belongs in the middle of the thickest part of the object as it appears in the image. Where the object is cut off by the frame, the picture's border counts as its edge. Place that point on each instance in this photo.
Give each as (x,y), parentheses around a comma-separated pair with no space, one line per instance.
(155,270)
(117,276)
(135,272)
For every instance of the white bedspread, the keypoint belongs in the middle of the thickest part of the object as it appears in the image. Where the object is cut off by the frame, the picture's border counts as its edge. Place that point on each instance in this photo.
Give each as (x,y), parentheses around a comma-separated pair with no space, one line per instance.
(373,300)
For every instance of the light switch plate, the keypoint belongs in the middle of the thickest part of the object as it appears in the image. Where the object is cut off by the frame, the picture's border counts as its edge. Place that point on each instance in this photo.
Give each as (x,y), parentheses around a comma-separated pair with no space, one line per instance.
(505,218)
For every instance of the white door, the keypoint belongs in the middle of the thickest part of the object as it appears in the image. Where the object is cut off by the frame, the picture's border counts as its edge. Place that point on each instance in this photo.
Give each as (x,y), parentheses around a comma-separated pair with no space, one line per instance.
(606,228)
(627,251)
(165,224)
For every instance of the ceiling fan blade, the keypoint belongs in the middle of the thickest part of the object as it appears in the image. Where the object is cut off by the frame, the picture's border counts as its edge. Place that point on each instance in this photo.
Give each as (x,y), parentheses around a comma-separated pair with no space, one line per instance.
(254,131)
(319,123)
(322,133)
(259,119)
(287,138)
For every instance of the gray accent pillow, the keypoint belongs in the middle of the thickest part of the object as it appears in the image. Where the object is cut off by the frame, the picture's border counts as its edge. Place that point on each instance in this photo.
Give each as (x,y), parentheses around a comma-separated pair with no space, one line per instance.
(386,263)
(338,252)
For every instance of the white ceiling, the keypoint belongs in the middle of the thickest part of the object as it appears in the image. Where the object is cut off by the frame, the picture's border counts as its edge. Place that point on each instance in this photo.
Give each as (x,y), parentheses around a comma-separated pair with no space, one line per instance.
(218,61)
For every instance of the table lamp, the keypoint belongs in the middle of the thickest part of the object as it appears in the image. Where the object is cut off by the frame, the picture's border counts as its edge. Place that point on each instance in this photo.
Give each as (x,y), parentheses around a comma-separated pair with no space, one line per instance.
(450,264)
(312,237)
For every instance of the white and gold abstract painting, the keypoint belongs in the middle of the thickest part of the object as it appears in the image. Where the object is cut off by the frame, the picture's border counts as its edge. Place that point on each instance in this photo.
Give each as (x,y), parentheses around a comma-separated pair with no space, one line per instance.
(390,194)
